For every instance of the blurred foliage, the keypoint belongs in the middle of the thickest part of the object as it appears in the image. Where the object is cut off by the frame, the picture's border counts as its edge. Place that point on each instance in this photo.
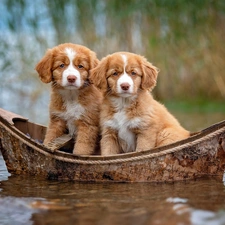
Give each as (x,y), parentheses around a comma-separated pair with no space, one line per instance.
(184,39)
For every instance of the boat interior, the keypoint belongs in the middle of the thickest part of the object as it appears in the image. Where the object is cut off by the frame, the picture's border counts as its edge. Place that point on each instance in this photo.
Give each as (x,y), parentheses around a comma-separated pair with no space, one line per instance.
(37,133)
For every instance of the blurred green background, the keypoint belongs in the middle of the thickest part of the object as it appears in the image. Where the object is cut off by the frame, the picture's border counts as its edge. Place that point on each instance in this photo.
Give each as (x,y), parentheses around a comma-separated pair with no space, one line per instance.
(184,39)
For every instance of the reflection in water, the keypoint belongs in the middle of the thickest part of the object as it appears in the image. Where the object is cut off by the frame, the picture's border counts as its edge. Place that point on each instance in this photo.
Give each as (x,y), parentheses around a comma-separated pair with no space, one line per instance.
(16,211)
(196,216)
(3,171)
(53,202)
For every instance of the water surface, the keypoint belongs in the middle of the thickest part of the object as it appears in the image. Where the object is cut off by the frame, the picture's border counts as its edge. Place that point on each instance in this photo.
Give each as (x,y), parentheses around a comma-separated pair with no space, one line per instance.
(29,200)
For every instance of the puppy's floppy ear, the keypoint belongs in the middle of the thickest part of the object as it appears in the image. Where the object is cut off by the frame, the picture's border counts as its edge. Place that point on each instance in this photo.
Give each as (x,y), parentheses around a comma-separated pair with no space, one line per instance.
(93,60)
(44,67)
(98,75)
(150,74)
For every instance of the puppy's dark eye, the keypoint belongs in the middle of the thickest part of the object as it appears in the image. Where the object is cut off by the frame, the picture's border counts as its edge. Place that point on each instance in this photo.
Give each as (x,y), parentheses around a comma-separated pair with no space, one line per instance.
(80,66)
(133,73)
(62,65)
(115,73)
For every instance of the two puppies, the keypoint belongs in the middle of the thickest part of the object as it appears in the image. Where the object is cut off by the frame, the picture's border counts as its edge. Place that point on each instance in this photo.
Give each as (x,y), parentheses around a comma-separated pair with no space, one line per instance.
(130,119)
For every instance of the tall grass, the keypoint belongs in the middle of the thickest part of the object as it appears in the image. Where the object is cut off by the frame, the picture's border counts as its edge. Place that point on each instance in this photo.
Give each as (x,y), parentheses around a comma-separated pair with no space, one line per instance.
(184,39)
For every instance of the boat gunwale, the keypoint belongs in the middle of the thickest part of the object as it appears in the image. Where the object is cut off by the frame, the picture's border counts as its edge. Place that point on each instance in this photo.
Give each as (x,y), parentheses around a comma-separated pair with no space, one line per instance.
(207,133)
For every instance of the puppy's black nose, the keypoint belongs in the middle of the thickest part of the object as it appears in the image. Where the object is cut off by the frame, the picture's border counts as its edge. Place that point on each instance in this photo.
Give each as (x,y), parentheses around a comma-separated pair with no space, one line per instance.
(125,86)
(71,78)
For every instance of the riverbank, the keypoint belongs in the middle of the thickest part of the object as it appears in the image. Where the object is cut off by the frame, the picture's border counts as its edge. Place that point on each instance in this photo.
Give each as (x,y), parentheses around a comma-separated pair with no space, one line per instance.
(196,115)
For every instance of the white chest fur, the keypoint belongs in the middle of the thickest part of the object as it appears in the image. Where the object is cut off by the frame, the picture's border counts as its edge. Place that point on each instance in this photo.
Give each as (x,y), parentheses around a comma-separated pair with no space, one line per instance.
(123,125)
(73,111)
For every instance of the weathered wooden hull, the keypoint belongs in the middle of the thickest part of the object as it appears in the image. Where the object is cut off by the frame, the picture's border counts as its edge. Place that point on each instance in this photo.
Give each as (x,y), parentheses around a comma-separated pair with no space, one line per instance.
(203,154)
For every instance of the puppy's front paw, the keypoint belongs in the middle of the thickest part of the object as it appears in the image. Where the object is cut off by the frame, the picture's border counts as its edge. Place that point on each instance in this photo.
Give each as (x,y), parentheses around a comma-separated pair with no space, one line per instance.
(142,149)
(139,150)
(83,149)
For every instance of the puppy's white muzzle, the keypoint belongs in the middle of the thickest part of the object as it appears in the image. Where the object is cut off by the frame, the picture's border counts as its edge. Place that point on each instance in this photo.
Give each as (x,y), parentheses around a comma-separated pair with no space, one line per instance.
(125,85)
(71,78)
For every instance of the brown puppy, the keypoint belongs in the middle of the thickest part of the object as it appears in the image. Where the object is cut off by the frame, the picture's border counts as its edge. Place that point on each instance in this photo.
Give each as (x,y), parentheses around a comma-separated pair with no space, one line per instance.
(131,120)
(74,104)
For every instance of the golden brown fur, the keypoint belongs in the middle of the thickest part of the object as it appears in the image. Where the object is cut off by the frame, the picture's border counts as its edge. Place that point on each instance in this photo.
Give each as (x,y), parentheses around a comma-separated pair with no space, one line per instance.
(74,104)
(131,120)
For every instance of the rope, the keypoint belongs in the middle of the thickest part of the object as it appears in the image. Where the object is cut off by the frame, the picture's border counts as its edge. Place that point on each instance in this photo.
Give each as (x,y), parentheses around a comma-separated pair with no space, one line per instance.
(119,160)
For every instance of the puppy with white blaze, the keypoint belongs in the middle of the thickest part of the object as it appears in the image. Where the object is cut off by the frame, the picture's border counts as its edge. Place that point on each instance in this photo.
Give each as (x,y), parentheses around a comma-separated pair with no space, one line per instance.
(75,102)
(130,119)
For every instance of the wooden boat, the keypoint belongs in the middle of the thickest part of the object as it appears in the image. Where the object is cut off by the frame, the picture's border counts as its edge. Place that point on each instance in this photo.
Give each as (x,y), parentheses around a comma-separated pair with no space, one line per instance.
(203,154)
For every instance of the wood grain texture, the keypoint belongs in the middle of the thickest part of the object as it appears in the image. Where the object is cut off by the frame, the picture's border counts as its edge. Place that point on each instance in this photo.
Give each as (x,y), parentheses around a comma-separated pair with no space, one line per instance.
(203,154)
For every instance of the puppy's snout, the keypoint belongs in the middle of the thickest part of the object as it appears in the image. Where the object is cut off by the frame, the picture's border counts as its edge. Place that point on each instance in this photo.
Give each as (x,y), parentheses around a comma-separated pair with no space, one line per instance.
(125,86)
(71,78)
